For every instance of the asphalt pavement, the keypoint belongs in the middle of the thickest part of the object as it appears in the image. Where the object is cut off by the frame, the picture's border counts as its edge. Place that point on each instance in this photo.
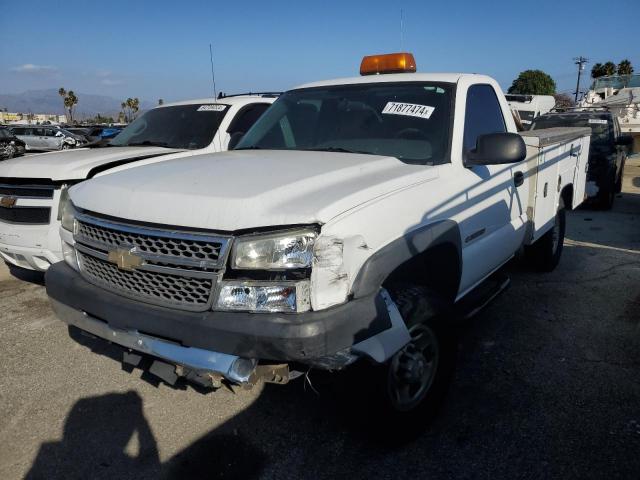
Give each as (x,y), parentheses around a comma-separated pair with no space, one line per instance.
(547,386)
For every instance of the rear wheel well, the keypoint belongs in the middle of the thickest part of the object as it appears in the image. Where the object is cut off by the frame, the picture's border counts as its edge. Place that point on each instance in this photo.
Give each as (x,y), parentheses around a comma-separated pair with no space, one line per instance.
(567,196)
(438,268)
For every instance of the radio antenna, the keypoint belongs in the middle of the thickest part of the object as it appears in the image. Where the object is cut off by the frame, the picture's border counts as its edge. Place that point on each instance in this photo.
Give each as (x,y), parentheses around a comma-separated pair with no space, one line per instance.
(213,75)
(401,30)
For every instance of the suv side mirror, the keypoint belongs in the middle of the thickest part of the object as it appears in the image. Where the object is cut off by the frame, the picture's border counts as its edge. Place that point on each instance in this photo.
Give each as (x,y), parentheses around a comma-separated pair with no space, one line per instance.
(624,140)
(235,139)
(497,149)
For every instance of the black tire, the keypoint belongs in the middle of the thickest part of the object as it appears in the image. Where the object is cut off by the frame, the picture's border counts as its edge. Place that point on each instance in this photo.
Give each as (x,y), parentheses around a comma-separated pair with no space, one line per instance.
(545,253)
(606,197)
(372,386)
(619,182)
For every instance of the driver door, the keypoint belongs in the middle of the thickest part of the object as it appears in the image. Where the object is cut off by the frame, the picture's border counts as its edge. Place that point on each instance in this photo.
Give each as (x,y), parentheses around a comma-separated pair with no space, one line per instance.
(493,223)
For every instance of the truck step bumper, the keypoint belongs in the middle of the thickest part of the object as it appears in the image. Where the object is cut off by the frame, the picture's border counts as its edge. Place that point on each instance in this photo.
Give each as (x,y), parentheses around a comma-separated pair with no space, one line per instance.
(233,368)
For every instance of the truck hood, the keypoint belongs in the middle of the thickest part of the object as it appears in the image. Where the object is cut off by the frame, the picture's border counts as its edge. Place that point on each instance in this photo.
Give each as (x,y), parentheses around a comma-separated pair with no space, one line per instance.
(75,164)
(248,189)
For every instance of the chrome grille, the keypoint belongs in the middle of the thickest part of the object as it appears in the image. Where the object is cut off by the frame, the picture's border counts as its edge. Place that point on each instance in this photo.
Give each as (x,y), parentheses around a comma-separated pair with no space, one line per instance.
(155,245)
(158,288)
(172,268)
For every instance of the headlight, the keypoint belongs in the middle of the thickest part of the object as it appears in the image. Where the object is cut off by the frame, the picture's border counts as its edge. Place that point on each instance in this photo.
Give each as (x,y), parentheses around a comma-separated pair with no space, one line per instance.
(279,251)
(68,215)
(292,297)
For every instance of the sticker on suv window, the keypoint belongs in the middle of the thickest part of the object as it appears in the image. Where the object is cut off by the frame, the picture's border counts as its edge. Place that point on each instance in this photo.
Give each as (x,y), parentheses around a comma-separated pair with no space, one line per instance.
(211,108)
(408,109)
(598,120)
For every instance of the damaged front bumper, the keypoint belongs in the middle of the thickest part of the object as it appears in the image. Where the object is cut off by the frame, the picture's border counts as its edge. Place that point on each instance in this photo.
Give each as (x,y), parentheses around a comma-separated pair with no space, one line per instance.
(235,345)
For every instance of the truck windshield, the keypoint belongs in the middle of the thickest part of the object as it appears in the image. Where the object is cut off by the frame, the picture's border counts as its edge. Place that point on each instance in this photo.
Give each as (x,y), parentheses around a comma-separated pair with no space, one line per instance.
(600,127)
(410,121)
(182,126)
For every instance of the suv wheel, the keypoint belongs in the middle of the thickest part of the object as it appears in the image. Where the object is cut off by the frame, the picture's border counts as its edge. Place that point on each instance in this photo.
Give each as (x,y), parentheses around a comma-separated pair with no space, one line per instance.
(606,198)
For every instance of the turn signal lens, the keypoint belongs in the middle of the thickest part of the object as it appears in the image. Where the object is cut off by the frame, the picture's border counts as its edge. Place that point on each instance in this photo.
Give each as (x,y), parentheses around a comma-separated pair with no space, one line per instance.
(389,63)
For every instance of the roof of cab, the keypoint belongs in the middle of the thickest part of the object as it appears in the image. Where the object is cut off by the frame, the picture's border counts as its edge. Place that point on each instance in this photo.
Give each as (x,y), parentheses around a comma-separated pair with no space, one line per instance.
(231,100)
(395,77)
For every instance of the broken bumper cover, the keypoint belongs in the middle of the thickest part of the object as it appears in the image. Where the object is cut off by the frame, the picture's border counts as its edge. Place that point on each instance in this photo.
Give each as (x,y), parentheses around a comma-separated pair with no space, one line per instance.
(232,367)
(312,338)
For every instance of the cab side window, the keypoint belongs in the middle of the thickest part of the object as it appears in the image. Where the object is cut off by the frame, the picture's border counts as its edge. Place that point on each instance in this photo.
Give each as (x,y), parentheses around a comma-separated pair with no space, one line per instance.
(482,115)
(247,117)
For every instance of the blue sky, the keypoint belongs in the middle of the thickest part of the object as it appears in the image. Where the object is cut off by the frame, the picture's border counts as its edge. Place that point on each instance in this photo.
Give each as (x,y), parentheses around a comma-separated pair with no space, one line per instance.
(160,49)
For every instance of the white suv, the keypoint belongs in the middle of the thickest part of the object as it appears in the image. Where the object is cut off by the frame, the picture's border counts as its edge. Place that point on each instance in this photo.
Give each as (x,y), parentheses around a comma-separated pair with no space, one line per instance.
(31,188)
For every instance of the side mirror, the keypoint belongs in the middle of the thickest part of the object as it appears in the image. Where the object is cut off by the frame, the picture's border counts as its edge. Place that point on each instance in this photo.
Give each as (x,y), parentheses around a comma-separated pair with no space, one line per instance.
(624,140)
(235,139)
(58,134)
(497,149)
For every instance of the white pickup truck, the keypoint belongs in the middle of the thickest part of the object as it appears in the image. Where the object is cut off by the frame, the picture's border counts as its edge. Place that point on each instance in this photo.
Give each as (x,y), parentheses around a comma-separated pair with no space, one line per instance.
(348,226)
(31,188)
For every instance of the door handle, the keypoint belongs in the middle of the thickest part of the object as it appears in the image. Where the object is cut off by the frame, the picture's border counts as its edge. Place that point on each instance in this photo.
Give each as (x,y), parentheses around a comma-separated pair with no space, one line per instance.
(518,178)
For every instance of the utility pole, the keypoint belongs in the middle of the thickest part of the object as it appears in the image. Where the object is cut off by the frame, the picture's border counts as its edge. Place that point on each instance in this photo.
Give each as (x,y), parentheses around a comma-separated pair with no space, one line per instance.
(580,61)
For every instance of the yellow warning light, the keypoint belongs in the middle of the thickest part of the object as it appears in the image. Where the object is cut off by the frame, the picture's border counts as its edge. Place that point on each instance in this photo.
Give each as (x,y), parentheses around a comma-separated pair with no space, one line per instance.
(389,63)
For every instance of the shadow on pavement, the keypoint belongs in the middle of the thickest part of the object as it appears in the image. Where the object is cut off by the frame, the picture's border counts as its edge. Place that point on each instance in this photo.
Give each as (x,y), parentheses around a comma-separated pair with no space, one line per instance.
(96,434)
(25,275)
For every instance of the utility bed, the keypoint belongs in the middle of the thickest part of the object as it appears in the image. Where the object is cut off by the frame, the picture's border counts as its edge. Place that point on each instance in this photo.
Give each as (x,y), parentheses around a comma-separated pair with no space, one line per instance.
(556,157)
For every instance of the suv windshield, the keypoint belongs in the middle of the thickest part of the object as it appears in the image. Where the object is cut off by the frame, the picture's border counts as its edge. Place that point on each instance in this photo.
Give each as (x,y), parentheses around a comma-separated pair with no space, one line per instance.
(4,133)
(601,131)
(410,121)
(182,126)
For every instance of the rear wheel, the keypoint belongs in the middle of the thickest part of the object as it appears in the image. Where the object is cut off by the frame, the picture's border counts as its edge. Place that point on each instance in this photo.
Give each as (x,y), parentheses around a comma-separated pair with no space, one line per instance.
(619,182)
(545,253)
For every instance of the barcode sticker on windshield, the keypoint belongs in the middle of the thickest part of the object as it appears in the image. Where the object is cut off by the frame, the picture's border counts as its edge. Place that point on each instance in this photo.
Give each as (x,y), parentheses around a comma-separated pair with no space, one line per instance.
(408,109)
(211,108)
(598,120)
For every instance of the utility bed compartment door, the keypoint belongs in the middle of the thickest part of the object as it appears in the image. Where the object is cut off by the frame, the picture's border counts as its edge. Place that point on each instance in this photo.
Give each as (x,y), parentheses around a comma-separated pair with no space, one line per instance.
(556,158)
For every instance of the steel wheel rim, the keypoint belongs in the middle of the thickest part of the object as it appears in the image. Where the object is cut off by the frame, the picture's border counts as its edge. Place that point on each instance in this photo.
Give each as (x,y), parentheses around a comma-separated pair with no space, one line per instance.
(413,369)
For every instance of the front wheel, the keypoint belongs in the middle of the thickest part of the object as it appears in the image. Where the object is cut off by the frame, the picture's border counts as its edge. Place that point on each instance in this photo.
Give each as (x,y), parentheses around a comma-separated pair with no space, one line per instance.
(404,394)
(66,146)
(546,251)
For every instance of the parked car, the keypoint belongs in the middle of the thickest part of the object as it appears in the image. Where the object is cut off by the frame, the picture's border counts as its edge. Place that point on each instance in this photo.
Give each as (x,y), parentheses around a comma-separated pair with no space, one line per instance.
(608,152)
(10,145)
(83,133)
(46,138)
(346,227)
(29,235)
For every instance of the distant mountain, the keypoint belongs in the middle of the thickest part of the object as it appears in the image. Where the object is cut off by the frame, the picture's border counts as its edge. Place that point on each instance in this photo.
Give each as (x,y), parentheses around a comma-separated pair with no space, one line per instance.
(48,101)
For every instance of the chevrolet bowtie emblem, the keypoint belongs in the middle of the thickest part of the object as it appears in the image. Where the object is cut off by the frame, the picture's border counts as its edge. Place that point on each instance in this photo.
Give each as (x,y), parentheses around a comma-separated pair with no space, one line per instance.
(125,259)
(8,202)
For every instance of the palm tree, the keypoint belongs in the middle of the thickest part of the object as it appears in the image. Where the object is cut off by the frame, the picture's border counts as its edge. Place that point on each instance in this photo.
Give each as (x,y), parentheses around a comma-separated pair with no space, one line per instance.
(70,100)
(609,68)
(597,70)
(625,67)
(63,93)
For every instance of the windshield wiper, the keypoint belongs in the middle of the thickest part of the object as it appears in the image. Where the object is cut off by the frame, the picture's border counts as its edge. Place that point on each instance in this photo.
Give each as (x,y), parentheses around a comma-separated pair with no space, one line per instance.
(336,149)
(252,147)
(148,143)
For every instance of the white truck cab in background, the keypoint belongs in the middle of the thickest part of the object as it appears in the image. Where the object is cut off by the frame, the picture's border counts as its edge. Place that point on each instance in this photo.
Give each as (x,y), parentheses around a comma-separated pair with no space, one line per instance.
(529,107)
(32,187)
(351,224)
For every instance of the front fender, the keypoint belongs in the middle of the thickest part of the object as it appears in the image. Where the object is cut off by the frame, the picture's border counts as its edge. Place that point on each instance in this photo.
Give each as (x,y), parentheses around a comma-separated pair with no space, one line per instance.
(386,260)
